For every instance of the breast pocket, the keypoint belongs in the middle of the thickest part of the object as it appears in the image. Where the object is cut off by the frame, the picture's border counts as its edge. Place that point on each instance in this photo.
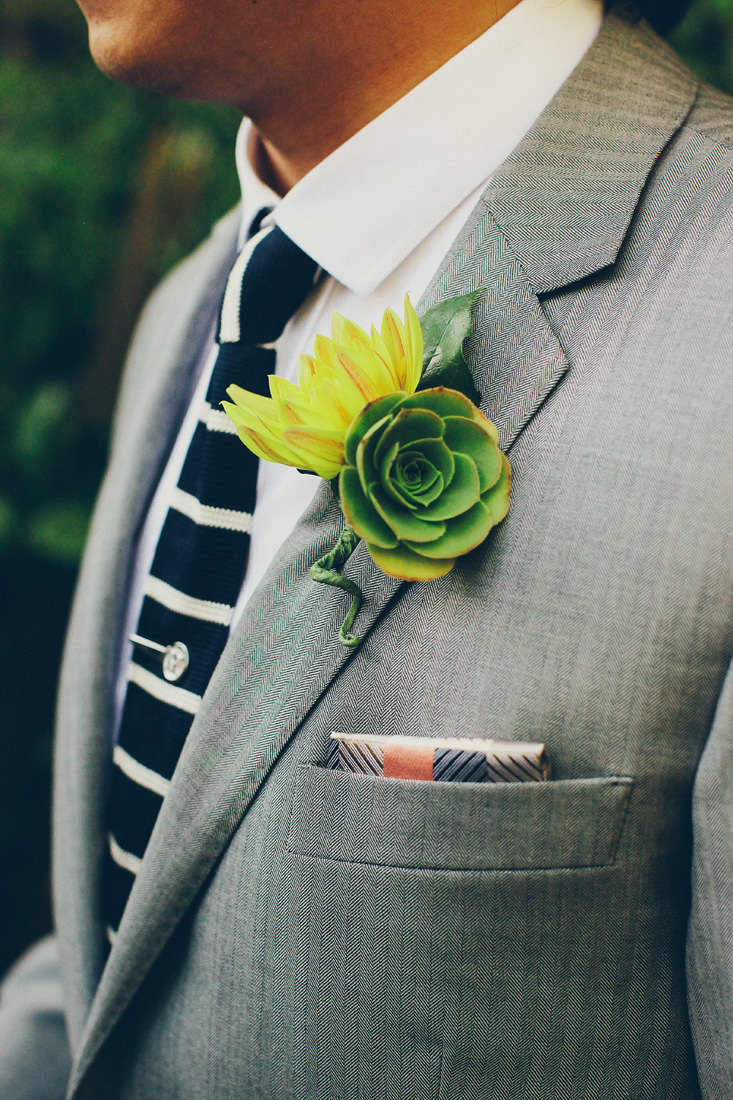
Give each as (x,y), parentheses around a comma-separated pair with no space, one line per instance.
(430,930)
(571,823)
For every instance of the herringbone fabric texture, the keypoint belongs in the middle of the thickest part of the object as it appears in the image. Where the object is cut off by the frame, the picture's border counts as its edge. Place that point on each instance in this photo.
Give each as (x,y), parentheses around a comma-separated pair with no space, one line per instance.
(200,559)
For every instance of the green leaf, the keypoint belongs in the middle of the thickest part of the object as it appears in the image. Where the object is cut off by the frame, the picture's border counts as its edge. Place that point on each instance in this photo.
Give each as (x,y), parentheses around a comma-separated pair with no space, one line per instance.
(416,477)
(436,452)
(407,428)
(497,498)
(365,464)
(370,415)
(407,565)
(404,523)
(411,476)
(444,329)
(460,495)
(468,437)
(462,534)
(441,401)
(359,512)
(41,423)
(386,458)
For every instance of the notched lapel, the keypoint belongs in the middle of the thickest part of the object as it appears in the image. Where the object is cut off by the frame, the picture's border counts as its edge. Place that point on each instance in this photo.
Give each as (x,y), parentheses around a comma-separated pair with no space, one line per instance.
(565,197)
(558,210)
(513,353)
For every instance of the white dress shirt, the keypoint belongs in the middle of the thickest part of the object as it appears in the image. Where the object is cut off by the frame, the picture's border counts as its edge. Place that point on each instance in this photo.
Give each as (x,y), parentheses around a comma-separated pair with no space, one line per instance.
(380,213)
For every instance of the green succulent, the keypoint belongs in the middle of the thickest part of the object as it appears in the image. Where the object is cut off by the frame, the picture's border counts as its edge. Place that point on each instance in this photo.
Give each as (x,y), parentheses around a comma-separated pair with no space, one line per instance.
(424,481)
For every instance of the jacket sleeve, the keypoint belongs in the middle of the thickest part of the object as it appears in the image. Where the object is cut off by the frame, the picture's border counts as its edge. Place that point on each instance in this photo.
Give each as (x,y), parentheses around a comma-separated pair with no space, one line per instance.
(34,1049)
(710,930)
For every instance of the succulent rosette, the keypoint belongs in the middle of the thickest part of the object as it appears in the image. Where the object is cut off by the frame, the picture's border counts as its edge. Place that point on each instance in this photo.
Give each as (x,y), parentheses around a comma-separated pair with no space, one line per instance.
(424,480)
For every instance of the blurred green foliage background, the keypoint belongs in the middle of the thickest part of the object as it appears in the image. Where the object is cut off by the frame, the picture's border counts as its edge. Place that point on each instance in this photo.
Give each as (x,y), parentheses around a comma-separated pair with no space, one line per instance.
(102,188)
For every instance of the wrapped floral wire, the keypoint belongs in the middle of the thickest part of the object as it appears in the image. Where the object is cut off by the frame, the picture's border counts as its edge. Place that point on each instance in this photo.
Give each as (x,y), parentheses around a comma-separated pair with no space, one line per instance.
(421,477)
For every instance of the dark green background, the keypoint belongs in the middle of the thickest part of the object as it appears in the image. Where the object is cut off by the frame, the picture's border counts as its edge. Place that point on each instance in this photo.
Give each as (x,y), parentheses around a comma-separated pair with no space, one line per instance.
(102,188)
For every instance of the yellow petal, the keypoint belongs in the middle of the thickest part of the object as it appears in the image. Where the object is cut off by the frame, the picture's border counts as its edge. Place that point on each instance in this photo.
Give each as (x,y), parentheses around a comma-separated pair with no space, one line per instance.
(337,402)
(379,348)
(359,377)
(256,411)
(320,450)
(287,398)
(392,333)
(235,414)
(325,351)
(268,448)
(282,388)
(353,336)
(414,347)
(374,368)
(337,324)
(306,369)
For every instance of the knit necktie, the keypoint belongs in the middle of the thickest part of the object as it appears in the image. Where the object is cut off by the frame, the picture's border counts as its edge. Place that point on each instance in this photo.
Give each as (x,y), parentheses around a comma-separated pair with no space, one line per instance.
(200,560)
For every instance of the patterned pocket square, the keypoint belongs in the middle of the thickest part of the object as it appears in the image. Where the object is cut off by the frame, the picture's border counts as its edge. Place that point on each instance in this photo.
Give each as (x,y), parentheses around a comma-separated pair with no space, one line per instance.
(441,759)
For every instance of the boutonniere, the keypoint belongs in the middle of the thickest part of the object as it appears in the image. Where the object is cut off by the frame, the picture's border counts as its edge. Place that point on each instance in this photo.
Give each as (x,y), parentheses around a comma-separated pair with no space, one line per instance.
(392,416)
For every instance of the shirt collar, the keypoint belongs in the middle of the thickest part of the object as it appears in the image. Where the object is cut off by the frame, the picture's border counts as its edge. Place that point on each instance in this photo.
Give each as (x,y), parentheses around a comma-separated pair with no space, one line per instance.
(370,203)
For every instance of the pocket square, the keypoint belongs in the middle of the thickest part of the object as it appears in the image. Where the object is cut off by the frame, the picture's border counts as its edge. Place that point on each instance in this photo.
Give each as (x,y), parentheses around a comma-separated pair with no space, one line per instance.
(441,759)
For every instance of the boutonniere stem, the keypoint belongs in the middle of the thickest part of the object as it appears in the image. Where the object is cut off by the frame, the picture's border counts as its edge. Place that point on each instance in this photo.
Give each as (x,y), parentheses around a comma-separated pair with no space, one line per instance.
(325,571)
(392,416)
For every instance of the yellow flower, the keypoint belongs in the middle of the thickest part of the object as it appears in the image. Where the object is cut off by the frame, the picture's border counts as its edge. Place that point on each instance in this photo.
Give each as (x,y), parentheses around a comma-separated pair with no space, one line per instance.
(305,425)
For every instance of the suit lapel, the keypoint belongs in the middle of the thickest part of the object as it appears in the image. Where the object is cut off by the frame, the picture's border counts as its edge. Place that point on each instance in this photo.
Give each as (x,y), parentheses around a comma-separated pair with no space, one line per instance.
(566,196)
(513,354)
(546,220)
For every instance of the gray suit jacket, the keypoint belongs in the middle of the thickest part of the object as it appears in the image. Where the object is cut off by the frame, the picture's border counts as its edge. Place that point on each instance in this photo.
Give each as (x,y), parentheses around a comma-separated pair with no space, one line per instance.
(297,932)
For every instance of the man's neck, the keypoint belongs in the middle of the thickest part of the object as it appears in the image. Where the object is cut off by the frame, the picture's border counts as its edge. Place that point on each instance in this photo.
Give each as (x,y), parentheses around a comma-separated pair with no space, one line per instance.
(381,59)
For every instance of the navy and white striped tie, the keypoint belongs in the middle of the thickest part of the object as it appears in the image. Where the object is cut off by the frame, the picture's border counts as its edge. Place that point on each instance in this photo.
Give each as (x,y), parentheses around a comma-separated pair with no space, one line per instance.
(200,560)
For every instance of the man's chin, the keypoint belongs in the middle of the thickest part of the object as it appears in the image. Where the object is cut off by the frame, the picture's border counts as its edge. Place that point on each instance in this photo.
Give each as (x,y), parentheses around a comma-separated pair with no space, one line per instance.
(129,63)
(110,55)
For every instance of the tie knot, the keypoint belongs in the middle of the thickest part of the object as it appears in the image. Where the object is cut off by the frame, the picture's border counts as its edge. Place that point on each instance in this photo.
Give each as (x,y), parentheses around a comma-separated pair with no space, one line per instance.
(270,280)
